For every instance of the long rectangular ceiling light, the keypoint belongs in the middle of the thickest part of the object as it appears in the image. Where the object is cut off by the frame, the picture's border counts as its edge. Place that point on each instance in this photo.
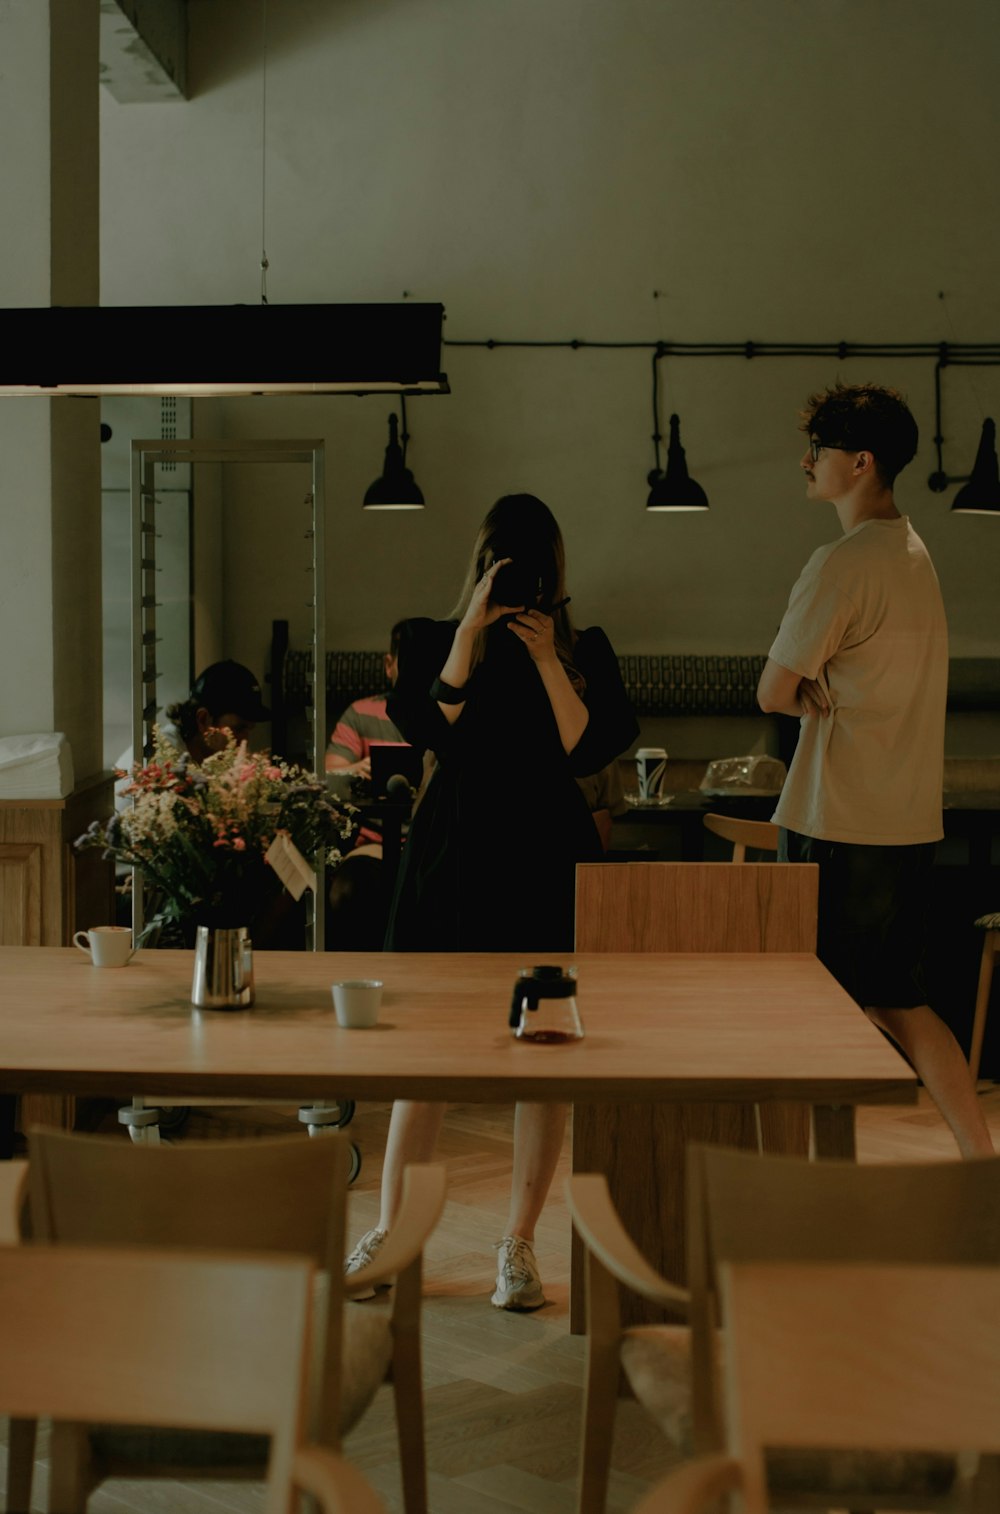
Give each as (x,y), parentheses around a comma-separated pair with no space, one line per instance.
(222,349)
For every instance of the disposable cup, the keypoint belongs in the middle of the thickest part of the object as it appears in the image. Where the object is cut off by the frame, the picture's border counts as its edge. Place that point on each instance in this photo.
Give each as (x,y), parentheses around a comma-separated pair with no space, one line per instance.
(651,768)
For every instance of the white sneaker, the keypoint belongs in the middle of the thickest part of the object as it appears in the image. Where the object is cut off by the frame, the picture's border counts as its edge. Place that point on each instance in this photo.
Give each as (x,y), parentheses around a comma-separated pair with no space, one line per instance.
(518,1283)
(368,1246)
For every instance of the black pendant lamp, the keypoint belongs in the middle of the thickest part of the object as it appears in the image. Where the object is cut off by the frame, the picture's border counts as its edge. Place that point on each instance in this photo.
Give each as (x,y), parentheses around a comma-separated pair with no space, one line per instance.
(675,489)
(396,489)
(981,495)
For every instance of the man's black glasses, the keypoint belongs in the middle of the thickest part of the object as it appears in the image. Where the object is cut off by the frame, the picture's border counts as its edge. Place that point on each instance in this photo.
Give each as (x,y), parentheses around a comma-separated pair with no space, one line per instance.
(815,448)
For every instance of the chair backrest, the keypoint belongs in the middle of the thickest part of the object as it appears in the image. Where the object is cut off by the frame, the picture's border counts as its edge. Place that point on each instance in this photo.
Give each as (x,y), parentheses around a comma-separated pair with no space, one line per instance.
(748,1208)
(770,1208)
(159,1338)
(696,907)
(834,1356)
(284,1195)
(759,835)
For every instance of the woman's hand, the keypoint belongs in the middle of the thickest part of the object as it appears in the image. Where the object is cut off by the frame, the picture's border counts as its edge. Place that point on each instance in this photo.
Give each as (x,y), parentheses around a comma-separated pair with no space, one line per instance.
(537,631)
(481,613)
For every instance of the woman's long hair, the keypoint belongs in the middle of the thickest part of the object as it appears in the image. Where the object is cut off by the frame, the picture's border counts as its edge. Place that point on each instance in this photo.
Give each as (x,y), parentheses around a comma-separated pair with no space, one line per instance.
(523,528)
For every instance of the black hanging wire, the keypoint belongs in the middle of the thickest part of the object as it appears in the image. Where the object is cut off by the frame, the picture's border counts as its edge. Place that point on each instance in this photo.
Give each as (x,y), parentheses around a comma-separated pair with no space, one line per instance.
(264,265)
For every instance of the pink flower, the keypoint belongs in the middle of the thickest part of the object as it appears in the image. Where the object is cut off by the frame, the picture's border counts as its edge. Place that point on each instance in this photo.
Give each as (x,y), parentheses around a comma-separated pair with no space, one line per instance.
(239,845)
(273,773)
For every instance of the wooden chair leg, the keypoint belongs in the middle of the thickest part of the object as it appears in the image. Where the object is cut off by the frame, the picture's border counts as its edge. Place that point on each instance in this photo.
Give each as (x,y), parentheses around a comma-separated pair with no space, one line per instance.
(408,1389)
(600,1394)
(20,1463)
(990,940)
(986,1485)
(69,1466)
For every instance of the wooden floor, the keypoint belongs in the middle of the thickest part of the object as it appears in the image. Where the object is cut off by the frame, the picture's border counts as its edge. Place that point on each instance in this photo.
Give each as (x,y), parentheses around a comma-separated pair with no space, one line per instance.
(503,1391)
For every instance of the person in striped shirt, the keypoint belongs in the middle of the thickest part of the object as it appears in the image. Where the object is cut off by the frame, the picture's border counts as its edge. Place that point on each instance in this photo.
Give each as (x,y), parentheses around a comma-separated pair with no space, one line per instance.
(365,724)
(358,904)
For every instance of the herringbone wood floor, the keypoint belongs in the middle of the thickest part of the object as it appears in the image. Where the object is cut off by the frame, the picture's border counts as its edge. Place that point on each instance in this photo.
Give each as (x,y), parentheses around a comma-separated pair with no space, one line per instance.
(502,1392)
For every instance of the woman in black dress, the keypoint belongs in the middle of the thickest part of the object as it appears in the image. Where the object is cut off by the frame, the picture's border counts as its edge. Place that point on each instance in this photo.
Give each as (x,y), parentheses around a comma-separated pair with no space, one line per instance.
(516,705)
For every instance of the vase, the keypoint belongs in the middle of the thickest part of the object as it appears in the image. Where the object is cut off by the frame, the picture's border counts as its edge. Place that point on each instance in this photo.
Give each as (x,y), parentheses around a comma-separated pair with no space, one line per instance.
(223,968)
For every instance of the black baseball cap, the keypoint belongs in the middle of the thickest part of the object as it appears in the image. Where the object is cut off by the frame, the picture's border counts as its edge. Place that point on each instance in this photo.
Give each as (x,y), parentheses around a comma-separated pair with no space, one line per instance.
(228,688)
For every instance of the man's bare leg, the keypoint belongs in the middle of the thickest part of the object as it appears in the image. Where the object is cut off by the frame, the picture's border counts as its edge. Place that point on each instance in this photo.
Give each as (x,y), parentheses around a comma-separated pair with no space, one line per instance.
(936,1057)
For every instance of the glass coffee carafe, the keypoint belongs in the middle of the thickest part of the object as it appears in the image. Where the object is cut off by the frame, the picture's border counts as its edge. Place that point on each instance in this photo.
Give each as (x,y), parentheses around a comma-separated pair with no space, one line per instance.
(543,1008)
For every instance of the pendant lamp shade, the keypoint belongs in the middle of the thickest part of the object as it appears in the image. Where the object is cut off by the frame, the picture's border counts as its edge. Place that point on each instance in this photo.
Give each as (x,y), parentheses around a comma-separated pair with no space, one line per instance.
(675,489)
(397,489)
(981,495)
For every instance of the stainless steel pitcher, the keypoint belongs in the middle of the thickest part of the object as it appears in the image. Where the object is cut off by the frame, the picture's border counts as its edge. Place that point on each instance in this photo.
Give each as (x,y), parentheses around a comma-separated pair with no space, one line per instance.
(223,968)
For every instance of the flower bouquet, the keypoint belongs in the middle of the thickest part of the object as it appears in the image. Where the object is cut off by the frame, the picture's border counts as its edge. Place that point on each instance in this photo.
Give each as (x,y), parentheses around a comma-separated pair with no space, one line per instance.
(200,833)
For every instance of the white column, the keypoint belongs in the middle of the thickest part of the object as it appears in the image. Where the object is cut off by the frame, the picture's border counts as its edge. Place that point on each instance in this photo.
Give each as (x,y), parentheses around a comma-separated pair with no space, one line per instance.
(50,487)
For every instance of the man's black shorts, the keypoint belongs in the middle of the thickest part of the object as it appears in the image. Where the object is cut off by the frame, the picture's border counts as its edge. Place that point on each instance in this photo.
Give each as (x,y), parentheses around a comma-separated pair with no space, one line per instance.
(873,908)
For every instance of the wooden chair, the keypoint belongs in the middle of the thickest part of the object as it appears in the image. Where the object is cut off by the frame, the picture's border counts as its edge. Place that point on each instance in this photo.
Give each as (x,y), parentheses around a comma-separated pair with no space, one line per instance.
(823,1357)
(780,1127)
(691,907)
(990,926)
(162,1338)
(744,1207)
(285,1195)
(758,835)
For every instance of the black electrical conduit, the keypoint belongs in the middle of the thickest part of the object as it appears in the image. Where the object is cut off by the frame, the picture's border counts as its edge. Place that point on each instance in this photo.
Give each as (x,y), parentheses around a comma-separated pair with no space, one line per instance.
(945,354)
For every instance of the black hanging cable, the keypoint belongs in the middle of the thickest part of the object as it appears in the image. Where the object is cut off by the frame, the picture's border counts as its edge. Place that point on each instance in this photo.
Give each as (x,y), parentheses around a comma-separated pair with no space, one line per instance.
(264,265)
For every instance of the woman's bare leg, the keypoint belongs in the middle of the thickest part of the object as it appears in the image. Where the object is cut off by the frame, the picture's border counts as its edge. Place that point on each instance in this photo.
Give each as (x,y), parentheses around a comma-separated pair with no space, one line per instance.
(538,1139)
(413,1134)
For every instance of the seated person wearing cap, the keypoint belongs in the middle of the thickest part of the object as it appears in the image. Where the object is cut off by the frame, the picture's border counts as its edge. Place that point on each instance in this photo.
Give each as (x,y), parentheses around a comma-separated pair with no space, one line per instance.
(225,699)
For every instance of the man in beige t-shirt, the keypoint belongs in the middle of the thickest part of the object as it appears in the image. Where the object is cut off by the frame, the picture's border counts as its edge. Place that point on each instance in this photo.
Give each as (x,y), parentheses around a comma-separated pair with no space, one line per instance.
(861,657)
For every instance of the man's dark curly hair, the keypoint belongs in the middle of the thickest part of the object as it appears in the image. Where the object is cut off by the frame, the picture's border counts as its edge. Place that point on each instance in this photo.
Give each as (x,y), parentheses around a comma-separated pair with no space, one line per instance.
(864,418)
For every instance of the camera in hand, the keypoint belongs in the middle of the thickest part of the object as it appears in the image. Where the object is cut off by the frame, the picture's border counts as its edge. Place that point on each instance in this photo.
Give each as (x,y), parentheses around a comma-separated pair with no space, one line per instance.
(516,584)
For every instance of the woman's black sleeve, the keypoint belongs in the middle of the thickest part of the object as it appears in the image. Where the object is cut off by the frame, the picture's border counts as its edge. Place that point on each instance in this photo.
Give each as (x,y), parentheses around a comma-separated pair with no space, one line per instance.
(423,651)
(612,727)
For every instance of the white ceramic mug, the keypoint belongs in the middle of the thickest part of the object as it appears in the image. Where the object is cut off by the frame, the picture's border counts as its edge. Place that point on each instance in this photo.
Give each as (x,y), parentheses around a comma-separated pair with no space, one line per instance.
(651,765)
(106,945)
(356,1002)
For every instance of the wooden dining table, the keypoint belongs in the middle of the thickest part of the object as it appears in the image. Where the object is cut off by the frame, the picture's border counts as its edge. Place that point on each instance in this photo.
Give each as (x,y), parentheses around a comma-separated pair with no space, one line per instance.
(659,1026)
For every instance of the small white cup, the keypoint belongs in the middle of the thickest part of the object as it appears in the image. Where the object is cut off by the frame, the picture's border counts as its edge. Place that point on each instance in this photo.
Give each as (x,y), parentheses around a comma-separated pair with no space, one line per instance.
(106,945)
(356,1002)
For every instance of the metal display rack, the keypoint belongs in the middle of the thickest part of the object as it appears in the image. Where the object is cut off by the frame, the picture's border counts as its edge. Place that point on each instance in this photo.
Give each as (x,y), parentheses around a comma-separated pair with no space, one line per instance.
(146,454)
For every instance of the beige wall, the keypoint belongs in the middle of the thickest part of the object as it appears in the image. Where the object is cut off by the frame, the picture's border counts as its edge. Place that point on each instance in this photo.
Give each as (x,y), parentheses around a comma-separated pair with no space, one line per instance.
(788,170)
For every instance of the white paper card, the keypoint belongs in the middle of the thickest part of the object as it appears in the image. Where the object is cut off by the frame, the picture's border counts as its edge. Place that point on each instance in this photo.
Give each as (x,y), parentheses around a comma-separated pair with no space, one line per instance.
(290,865)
